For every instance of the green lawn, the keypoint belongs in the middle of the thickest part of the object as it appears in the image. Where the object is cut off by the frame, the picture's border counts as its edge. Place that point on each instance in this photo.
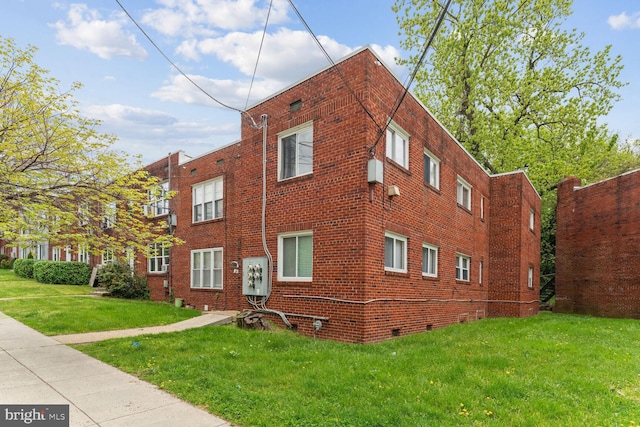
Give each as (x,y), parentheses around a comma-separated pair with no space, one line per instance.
(549,370)
(12,286)
(33,304)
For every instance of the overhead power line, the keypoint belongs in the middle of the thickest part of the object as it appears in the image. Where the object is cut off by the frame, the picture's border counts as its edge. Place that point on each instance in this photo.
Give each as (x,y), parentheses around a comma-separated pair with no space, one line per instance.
(174,65)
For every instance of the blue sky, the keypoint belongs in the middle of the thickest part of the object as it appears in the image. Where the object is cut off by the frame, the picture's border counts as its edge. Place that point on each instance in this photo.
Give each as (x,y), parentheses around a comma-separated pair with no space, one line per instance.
(153,110)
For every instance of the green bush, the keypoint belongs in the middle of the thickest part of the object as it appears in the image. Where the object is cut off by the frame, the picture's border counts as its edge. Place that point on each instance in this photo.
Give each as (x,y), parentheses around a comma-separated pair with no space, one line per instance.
(62,273)
(24,267)
(7,264)
(121,282)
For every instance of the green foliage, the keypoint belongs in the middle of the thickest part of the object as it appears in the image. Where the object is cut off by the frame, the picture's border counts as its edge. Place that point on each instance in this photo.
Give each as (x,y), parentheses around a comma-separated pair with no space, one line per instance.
(6,263)
(62,273)
(519,91)
(60,177)
(121,282)
(24,267)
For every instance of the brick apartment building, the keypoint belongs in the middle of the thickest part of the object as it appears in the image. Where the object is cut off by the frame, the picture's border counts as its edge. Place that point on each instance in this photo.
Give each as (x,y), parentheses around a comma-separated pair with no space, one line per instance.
(372,233)
(597,242)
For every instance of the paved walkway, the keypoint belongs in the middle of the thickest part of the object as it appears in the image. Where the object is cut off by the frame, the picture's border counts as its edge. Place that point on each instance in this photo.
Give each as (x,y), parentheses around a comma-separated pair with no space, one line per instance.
(39,370)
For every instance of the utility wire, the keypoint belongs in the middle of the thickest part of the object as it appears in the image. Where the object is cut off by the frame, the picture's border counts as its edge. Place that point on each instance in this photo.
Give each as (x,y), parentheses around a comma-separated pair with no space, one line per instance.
(174,65)
(333,64)
(398,103)
(255,69)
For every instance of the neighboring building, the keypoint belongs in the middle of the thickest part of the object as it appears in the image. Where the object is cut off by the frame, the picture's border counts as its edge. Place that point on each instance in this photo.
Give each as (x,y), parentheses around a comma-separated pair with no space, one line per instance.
(597,245)
(374,234)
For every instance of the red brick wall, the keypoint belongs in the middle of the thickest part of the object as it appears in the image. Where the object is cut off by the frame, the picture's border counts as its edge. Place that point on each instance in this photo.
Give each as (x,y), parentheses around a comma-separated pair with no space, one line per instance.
(351,291)
(514,247)
(598,233)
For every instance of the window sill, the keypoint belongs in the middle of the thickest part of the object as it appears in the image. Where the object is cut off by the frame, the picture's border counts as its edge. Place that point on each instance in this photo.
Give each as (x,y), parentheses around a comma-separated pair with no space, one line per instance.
(463,282)
(398,166)
(432,188)
(465,209)
(396,273)
(208,221)
(207,289)
(294,179)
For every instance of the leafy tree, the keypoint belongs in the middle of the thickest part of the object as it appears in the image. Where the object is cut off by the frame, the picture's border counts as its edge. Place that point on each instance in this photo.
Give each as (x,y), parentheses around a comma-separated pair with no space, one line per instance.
(519,91)
(60,181)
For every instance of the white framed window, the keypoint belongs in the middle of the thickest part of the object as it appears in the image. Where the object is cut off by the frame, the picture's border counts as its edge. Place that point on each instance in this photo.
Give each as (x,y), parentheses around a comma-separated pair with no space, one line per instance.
(158,260)
(67,253)
(42,251)
(295,152)
(431,169)
(295,256)
(206,268)
(480,271)
(482,199)
(398,145)
(395,252)
(532,220)
(83,254)
(55,254)
(109,215)
(207,200)
(158,202)
(107,256)
(429,260)
(462,267)
(464,193)
(530,278)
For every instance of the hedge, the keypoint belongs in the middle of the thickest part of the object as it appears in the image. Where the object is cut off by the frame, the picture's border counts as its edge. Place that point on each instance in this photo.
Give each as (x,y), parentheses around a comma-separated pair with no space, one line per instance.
(23,267)
(62,273)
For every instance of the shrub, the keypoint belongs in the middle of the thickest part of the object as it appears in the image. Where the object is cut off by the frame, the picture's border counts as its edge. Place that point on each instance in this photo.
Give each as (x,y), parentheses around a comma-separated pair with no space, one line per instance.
(7,264)
(24,267)
(121,282)
(62,273)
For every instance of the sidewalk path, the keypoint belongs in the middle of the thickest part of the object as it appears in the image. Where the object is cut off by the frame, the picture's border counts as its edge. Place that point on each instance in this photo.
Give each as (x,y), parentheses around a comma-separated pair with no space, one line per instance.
(36,369)
(212,318)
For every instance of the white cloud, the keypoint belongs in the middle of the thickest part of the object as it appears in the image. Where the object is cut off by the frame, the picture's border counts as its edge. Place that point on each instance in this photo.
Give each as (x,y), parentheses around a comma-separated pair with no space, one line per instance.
(203,17)
(286,56)
(624,21)
(85,30)
(389,54)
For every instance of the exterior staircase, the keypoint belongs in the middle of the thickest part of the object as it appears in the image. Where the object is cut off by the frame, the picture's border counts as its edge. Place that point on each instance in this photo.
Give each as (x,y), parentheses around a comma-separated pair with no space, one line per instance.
(100,292)
(547,290)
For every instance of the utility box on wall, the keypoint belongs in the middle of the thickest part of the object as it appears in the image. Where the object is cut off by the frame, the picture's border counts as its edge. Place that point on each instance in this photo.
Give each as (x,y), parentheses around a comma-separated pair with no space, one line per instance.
(254,276)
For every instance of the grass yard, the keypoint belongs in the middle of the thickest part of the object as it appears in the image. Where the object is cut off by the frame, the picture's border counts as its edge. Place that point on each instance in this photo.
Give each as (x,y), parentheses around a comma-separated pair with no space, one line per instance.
(12,286)
(71,313)
(548,370)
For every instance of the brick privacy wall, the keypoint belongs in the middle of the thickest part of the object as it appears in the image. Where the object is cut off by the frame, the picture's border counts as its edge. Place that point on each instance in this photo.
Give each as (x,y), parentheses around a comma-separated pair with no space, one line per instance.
(514,247)
(597,241)
(357,300)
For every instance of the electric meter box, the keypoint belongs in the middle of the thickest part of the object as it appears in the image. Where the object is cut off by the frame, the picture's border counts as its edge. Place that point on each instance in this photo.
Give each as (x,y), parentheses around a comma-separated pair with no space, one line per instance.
(254,276)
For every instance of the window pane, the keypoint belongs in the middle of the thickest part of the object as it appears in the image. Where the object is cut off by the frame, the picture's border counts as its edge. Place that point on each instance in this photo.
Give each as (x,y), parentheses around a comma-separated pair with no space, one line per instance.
(399,254)
(289,257)
(195,272)
(208,210)
(427,169)
(305,256)
(206,269)
(305,152)
(388,252)
(197,213)
(208,192)
(288,155)
(218,209)
(399,145)
(389,143)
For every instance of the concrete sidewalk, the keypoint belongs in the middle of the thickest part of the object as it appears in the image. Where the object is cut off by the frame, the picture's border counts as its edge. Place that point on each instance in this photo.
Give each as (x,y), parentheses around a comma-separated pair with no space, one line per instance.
(36,369)
(207,319)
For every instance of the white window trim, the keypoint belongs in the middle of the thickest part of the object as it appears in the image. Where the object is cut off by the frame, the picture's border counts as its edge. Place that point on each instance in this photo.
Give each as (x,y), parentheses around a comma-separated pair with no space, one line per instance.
(213,201)
(436,163)
(83,254)
(281,276)
(213,251)
(55,254)
(401,238)
(480,272)
(292,131)
(465,185)
(107,256)
(395,129)
(462,269)
(431,248)
(530,278)
(532,220)
(482,201)
(161,258)
(158,203)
